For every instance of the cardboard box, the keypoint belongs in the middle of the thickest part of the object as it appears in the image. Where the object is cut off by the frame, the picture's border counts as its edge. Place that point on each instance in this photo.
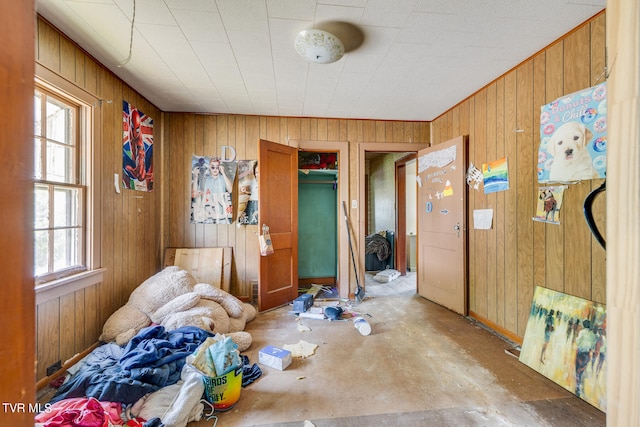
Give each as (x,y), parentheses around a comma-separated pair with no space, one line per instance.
(275,357)
(302,303)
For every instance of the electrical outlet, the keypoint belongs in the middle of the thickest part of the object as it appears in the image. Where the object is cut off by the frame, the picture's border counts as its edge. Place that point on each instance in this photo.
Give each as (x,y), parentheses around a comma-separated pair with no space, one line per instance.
(54,368)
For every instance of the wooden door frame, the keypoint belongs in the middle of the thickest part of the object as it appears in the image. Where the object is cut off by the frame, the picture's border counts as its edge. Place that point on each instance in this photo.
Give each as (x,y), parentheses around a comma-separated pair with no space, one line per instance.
(400,261)
(363,148)
(18,385)
(342,150)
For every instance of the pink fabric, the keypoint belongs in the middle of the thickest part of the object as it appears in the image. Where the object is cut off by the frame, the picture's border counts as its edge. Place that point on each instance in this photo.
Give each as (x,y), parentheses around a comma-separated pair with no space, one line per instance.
(81,412)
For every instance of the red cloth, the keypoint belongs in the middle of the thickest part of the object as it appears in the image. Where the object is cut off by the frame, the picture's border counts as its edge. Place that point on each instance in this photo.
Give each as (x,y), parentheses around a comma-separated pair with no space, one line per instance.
(58,381)
(81,412)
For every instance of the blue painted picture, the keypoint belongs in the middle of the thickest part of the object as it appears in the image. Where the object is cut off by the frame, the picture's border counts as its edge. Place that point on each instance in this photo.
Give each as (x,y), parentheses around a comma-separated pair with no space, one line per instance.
(496,176)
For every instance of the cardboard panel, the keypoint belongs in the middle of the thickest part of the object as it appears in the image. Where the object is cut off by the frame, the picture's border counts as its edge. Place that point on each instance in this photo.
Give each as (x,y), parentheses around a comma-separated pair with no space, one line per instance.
(207,265)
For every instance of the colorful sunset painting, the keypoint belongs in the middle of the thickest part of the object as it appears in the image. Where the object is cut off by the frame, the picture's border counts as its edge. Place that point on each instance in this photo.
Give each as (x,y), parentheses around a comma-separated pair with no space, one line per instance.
(496,176)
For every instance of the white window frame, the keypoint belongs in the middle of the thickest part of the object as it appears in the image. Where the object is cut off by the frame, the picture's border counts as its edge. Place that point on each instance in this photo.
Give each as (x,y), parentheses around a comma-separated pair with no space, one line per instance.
(72,180)
(89,132)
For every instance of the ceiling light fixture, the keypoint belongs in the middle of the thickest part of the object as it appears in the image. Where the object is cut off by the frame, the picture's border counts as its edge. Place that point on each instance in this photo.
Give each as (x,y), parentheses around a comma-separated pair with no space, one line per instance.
(319,46)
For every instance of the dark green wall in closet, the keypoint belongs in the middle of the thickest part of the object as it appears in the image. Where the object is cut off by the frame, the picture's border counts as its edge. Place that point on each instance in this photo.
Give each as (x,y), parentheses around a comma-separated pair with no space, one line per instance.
(317,224)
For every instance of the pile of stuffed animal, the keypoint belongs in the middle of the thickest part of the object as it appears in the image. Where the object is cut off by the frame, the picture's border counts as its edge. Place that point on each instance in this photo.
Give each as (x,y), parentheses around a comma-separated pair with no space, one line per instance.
(173,298)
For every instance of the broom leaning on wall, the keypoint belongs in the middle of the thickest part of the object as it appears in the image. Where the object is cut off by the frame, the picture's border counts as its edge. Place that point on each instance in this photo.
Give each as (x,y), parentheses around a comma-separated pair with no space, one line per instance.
(359,295)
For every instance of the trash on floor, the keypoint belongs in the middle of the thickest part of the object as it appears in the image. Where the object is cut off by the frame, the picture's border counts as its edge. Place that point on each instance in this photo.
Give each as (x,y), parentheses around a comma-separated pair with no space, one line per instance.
(333,313)
(321,292)
(313,313)
(385,276)
(275,357)
(301,349)
(302,327)
(302,303)
(362,325)
(328,294)
(319,310)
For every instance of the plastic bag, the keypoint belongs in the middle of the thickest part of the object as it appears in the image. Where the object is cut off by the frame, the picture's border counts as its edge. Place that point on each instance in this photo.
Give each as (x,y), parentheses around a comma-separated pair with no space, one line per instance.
(266,247)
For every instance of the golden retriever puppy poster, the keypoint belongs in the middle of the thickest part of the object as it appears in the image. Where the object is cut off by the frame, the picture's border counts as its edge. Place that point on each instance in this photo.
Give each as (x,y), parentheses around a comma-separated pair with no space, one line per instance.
(573,139)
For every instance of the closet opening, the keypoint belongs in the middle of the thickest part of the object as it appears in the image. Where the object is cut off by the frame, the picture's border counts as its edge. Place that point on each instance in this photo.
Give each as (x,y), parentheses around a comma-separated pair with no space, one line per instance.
(318,224)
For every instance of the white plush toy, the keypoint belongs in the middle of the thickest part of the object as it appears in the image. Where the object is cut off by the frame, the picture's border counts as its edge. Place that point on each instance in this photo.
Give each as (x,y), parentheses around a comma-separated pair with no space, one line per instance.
(173,298)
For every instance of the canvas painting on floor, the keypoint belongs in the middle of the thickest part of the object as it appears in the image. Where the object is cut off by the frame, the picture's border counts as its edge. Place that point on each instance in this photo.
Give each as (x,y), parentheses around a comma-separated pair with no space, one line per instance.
(565,340)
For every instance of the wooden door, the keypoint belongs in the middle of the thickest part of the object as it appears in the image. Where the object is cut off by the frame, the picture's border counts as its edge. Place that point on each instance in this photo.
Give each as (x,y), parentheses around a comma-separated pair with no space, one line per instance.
(442,224)
(401,212)
(400,262)
(278,209)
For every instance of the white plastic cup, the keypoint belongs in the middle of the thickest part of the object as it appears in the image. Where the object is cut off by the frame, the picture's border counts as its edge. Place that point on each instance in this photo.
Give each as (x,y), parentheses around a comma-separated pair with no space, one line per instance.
(362,325)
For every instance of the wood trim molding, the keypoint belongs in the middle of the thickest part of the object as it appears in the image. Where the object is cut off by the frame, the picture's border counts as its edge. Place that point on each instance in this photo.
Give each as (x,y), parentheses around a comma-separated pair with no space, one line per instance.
(67,285)
(16,242)
(342,148)
(495,327)
(623,203)
(67,364)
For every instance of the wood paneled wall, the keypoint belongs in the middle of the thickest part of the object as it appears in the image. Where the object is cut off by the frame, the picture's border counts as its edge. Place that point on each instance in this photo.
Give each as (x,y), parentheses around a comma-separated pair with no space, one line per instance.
(205,135)
(507,262)
(130,221)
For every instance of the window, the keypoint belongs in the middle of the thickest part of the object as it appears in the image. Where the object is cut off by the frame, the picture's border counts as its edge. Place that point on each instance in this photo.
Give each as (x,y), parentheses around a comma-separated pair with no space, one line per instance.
(66,178)
(60,193)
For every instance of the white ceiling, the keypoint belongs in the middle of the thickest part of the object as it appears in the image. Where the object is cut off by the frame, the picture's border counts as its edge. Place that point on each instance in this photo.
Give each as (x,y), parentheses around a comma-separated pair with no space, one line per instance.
(418,58)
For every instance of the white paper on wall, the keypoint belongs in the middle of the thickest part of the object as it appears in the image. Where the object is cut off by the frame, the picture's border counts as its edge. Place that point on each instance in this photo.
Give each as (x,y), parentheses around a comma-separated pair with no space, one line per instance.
(482,219)
(437,159)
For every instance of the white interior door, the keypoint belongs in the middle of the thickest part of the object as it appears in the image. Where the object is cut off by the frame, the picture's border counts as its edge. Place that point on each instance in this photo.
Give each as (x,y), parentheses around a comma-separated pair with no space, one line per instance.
(442,224)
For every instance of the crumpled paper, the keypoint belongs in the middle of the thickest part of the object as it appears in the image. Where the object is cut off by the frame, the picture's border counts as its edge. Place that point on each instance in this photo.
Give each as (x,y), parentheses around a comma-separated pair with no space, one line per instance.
(301,349)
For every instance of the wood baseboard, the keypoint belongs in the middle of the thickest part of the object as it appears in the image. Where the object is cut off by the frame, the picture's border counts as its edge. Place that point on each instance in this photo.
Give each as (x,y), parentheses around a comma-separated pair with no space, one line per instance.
(43,382)
(497,328)
(325,281)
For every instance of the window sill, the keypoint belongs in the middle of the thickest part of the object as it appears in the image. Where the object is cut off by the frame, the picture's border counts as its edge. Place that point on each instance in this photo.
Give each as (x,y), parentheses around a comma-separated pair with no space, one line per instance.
(57,288)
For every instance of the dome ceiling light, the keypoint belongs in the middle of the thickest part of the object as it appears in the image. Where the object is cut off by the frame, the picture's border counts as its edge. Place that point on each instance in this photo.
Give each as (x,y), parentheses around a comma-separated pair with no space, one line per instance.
(319,46)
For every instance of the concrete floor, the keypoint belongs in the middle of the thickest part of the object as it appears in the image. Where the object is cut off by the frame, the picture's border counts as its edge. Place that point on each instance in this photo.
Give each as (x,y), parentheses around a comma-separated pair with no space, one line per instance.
(422,365)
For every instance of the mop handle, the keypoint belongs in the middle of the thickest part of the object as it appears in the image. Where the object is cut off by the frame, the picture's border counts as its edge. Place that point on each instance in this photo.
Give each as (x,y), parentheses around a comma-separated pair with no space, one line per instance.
(353,259)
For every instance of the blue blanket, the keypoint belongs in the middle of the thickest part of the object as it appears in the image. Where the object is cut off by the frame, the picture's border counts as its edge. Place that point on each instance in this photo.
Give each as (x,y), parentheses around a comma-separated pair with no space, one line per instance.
(153,359)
